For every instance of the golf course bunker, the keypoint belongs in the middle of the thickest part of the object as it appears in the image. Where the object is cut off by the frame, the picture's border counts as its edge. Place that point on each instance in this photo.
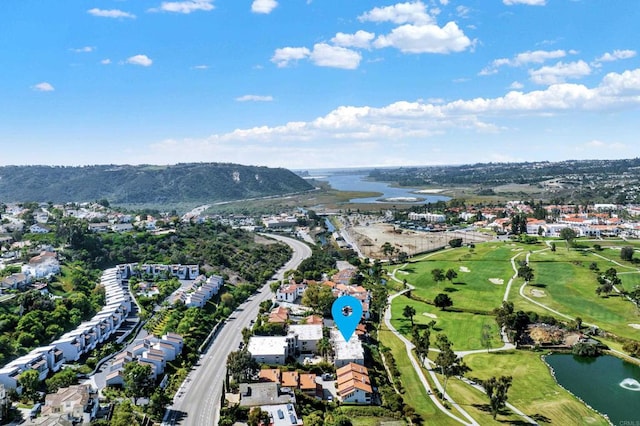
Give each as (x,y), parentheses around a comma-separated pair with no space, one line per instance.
(464,269)
(537,293)
(429,314)
(498,281)
(636,326)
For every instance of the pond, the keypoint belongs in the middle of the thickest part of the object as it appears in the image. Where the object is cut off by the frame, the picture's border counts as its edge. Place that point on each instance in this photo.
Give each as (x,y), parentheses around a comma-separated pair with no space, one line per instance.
(608,384)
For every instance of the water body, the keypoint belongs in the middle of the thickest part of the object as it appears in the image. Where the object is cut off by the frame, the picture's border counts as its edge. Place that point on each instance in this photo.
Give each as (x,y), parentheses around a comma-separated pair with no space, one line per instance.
(608,384)
(358,182)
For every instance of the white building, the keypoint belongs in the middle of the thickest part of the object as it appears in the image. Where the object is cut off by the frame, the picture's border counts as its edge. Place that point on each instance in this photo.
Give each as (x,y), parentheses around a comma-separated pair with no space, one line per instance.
(282,415)
(428,217)
(290,292)
(346,352)
(308,336)
(272,349)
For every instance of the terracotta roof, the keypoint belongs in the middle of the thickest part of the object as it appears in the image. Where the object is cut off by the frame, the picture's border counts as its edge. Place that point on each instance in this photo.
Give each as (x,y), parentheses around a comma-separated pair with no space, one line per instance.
(313,319)
(307,381)
(279,315)
(270,375)
(290,379)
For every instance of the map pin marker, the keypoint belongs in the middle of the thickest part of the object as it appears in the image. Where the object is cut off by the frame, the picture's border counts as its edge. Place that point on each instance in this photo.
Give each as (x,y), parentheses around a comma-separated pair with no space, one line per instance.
(346,311)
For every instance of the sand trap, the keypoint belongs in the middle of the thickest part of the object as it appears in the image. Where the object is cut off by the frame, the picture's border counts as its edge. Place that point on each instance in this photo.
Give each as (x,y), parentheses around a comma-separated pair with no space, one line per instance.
(498,281)
(636,326)
(464,269)
(430,315)
(537,293)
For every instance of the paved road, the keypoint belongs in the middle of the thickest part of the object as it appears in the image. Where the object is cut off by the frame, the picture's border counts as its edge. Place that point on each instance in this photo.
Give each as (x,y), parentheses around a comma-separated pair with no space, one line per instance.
(197,401)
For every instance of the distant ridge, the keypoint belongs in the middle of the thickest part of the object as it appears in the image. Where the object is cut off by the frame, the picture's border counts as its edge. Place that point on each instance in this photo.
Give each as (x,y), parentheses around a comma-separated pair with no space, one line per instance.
(126,184)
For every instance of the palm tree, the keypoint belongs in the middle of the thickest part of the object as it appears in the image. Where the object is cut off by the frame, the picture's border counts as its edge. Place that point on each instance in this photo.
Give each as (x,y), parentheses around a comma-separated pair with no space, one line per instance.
(324,347)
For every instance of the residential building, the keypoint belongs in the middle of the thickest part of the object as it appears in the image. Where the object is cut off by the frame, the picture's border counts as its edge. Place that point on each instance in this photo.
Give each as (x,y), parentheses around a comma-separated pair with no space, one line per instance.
(282,415)
(258,394)
(279,315)
(77,402)
(308,336)
(353,384)
(346,351)
(272,349)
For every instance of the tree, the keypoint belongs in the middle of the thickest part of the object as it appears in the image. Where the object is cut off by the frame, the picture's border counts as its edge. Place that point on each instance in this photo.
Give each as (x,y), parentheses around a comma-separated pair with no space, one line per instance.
(157,403)
(30,381)
(553,246)
(451,274)
(449,363)
(568,235)
(496,389)
(123,415)
(438,275)
(421,342)
(241,366)
(525,272)
(324,347)
(443,301)
(485,337)
(61,379)
(257,416)
(455,242)
(138,380)
(388,249)
(626,253)
(409,312)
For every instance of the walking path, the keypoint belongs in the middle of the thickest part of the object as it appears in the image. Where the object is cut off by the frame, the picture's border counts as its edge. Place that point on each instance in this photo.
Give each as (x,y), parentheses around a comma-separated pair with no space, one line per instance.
(409,346)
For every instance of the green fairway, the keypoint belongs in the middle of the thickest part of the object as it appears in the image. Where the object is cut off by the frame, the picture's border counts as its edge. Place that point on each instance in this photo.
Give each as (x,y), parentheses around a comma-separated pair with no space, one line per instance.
(462,328)
(483,274)
(564,281)
(415,395)
(534,390)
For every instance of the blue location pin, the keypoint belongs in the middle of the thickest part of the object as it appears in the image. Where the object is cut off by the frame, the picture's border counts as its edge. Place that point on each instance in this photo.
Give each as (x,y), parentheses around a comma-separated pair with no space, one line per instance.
(350,306)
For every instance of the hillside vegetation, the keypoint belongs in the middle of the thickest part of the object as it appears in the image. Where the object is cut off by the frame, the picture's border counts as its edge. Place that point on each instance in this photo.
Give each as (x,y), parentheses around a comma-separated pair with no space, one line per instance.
(125,184)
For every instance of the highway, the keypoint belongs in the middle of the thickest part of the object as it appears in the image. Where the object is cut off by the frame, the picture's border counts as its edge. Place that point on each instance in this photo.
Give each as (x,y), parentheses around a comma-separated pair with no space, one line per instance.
(197,402)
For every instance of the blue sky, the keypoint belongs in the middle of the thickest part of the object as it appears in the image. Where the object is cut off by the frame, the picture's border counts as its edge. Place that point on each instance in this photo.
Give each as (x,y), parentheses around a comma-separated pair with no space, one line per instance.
(309,84)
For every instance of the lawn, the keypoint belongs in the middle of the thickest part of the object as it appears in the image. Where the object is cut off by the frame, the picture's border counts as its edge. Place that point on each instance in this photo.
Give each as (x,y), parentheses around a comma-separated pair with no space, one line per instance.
(415,395)
(472,289)
(569,287)
(462,328)
(534,390)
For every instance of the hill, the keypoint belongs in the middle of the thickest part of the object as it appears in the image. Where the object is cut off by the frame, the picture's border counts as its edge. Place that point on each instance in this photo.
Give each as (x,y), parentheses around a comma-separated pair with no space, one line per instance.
(146,184)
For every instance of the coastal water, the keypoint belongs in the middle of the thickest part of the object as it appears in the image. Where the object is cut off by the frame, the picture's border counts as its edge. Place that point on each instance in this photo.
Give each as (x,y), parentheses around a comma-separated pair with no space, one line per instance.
(358,182)
(608,384)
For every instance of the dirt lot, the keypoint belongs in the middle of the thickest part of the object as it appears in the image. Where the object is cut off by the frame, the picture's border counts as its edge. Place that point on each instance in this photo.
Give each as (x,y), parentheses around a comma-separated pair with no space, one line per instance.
(371,238)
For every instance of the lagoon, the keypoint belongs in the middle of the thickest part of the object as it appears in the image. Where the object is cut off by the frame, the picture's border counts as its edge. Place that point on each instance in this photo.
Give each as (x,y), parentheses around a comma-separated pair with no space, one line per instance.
(606,383)
(358,182)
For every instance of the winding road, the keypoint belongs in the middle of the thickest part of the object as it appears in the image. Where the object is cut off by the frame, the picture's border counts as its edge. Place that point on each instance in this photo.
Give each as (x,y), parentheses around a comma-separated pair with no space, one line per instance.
(197,402)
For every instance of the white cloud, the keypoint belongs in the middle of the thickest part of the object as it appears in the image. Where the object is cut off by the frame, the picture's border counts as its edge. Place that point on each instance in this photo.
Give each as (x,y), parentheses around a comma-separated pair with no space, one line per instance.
(425,39)
(560,72)
(361,39)
(142,60)
(527,2)
(110,13)
(105,61)
(85,49)
(516,85)
(463,11)
(43,87)
(401,13)
(598,144)
(254,98)
(200,67)
(444,2)
(282,57)
(186,7)
(345,131)
(616,55)
(325,55)
(263,6)
(525,58)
